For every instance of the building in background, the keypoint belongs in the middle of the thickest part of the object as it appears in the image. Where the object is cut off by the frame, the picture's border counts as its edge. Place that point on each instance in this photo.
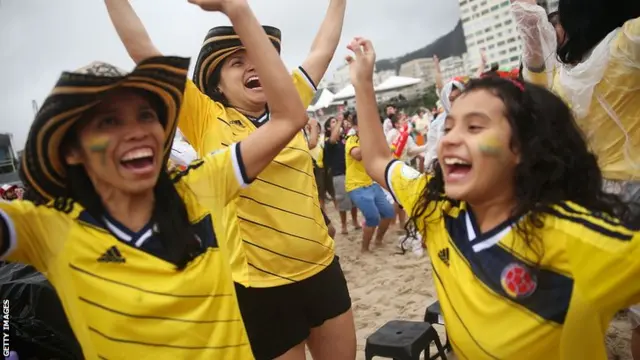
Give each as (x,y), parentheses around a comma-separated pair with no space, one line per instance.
(8,161)
(381,76)
(453,66)
(423,69)
(488,25)
(339,79)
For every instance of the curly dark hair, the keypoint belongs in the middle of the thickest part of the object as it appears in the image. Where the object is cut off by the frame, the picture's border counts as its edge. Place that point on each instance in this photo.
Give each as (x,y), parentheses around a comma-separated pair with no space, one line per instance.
(587,22)
(555,163)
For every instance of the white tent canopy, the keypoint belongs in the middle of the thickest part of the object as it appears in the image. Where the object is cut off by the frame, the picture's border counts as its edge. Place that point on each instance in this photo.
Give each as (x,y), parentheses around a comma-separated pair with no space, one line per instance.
(347,93)
(326,97)
(392,83)
(396,82)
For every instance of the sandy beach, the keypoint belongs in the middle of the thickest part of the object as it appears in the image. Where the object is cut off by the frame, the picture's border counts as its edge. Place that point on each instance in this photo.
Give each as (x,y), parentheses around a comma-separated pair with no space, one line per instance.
(385,286)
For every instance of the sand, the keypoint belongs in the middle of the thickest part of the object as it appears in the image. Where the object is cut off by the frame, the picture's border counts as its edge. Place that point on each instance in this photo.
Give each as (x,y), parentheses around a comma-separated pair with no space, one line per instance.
(386,286)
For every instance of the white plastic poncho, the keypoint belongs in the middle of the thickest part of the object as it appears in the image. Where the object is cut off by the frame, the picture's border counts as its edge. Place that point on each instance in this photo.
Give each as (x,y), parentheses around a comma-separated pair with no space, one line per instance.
(577,83)
(436,129)
(182,153)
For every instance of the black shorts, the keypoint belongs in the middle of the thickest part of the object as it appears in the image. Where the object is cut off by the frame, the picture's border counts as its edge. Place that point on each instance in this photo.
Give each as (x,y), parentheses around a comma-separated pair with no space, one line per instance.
(279,318)
(323,182)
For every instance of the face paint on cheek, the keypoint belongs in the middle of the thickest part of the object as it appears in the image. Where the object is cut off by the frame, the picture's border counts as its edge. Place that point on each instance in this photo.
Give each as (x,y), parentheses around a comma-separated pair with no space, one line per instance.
(490,146)
(99,145)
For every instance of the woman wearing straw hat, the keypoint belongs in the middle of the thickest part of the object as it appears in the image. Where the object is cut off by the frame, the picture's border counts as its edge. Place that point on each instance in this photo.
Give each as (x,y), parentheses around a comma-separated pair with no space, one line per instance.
(290,287)
(129,247)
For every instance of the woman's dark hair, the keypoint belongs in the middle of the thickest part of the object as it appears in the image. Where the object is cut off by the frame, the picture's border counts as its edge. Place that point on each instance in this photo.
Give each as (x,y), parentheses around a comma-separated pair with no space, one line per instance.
(212,89)
(555,163)
(327,127)
(169,211)
(354,119)
(34,197)
(587,22)
(554,18)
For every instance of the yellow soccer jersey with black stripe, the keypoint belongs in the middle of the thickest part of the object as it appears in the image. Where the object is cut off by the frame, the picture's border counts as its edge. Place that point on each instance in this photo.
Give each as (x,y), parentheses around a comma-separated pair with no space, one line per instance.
(275,227)
(498,305)
(123,302)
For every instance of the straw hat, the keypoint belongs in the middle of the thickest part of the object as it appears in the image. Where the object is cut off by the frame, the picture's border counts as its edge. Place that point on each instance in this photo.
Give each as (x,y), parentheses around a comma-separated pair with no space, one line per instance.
(219,44)
(75,93)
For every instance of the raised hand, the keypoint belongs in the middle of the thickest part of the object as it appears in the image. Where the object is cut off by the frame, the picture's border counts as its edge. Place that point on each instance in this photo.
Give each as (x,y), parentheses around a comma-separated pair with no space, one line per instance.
(362,62)
(312,123)
(216,5)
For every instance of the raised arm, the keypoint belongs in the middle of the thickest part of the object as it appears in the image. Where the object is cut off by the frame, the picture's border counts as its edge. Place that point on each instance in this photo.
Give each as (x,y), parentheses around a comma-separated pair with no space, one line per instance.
(326,41)
(288,116)
(539,41)
(373,144)
(438,74)
(335,132)
(483,63)
(313,134)
(31,234)
(131,31)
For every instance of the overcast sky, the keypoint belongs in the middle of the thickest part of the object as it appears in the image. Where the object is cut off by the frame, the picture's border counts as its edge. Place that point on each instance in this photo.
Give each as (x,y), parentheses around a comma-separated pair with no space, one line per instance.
(40,38)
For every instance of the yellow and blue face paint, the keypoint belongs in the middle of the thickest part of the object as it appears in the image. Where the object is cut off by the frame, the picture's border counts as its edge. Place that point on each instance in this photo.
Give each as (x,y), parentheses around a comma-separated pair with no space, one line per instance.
(99,145)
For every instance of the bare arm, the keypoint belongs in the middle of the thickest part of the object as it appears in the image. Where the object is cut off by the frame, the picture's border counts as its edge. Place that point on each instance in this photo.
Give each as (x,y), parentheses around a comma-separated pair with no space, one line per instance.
(287,113)
(356,153)
(538,35)
(314,134)
(131,31)
(373,143)
(483,64)
(439,80)
(326,41)
(335,132)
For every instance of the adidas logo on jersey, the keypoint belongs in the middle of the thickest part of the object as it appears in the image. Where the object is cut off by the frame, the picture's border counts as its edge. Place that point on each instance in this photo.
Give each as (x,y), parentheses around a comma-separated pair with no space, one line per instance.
(444,256)
(112,255)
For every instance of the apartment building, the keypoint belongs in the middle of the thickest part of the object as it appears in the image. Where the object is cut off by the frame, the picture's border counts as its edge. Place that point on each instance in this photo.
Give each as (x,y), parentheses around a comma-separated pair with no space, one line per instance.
(8,161)
(454,66)
(420,69)
(488,25)
(380,76)
(339,79)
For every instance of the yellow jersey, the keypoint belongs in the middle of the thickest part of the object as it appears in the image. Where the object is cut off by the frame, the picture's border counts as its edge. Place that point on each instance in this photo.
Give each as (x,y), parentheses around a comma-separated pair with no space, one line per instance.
(612,126)
(122,299)
(356,176)
(320,159)
(497,304)
(316,152)
(275,228)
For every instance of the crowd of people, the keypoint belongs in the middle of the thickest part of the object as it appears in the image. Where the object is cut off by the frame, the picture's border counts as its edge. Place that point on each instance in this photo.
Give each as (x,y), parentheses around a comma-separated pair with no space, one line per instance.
(186,218)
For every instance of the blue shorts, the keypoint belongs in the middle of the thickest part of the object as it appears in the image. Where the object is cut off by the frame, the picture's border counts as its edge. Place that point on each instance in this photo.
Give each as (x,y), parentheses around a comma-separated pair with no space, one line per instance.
(373,204)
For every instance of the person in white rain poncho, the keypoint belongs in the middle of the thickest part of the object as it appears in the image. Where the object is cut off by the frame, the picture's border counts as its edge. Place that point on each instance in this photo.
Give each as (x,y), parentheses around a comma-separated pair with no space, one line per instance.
(450,91)
(592,60)
(182,153)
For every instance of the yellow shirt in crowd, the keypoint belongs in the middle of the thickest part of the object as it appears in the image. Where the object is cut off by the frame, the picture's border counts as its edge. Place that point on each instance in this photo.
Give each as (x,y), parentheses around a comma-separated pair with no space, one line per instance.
(275,228)
(502,301)
(615,141)
(316,152)
(356,176)
(122,301)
